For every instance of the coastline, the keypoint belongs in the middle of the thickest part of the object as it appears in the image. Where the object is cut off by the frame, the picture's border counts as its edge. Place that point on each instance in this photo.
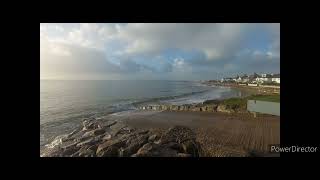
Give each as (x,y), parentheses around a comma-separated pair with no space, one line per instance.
(263,90)
(222,133)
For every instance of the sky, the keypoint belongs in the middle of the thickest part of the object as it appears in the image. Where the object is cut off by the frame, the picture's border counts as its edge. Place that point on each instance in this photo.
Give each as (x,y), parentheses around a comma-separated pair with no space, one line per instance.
(157,51)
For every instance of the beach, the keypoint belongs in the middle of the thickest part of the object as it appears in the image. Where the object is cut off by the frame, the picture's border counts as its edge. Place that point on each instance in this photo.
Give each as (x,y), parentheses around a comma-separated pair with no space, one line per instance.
(218,133)
(222,127)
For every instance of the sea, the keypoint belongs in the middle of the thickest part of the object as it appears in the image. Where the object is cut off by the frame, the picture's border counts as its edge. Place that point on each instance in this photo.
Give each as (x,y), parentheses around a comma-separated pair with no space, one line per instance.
(65,103)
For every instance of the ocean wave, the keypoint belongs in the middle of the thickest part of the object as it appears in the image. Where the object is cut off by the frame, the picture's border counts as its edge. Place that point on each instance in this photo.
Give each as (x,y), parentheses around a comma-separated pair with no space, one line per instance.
(164,98)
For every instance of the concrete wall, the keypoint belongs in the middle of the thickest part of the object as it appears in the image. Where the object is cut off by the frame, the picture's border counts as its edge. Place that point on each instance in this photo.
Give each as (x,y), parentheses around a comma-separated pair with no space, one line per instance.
(264,107)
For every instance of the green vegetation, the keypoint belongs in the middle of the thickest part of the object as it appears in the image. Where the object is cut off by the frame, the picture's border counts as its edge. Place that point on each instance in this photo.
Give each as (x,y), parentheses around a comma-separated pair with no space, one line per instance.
(271,83)
(235,103)
(270,98)
(241,103)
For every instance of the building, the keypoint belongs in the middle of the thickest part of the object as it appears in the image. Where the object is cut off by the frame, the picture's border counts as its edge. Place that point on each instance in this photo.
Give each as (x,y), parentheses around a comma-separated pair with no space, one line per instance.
(237,79)
(245,79)
(276,78)
(229,79)
(252,78)
(264,78)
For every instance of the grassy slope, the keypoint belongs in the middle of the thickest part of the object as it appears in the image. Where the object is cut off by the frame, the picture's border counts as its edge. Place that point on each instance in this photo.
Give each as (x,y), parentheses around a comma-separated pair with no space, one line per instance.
(241,103)
(270,98)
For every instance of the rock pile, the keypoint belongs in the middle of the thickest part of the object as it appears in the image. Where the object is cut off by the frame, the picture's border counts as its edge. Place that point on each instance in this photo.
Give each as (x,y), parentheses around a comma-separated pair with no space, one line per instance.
(206,106)
(115,139)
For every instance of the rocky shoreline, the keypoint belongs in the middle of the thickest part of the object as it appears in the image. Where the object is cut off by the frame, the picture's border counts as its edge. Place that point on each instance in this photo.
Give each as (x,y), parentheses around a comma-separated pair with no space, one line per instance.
(114,139)
(206,106)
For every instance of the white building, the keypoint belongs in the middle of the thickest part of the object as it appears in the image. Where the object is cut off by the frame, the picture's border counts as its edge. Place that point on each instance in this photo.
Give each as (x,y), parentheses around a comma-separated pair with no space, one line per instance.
(264,78)
(276,78)
(237,79)
(245,79)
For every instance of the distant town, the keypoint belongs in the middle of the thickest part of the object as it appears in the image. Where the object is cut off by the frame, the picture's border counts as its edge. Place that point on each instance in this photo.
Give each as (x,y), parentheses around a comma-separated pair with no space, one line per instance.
(252,80)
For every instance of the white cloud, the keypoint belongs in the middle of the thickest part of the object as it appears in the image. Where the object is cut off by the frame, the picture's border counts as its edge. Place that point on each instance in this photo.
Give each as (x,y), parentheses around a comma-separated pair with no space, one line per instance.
(215,40)
(220,45)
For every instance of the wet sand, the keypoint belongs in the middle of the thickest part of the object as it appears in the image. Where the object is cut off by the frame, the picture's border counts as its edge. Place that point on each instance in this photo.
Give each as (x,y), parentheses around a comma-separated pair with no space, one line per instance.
(219,133)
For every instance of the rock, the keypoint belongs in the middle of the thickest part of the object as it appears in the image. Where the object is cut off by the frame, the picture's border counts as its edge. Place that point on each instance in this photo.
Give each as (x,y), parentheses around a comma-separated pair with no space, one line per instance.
(223,108)
(87,153)
(145,148)
(73,132)
(93,147)
(175,146)
(184,155)
(157,142)
(57,141)
(142,132)
(76,154)
(191,147)
(125,130)
(134,144)
(174,108)
(89,141)
(88,124)
(157,152)
(214,108)
(117,143)
(87,135)
(78,135)
(68,144)
(52,152)
(106,137)
(164,107)
(152,138)
(111,124)
(160,150)
(98,131)
(111,151)
(70,150)
(115,129)
(196,109)
(92,133)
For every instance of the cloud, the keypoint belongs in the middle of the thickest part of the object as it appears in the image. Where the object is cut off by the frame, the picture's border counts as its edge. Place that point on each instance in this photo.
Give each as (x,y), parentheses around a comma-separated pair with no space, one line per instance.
(133,50)
(214,40)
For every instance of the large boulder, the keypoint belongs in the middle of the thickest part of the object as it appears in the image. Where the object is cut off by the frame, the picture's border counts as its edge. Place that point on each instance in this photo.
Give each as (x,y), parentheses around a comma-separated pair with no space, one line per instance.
(93,133)
(174,108)
(111,151)
(155,150)
(87,153)
(58,141)
(88,124)
(184,155)
(87,142)
(191,147)
(175,140)
(113,144)
(69,150)
(133,144)
(152,138)
(224,109)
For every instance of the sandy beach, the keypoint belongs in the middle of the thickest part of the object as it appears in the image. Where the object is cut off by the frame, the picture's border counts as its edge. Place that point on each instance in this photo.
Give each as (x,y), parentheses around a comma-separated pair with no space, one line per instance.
(220,134)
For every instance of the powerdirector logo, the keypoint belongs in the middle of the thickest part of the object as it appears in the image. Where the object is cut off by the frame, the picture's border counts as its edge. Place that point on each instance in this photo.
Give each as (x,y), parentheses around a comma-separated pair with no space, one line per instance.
(276,148)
